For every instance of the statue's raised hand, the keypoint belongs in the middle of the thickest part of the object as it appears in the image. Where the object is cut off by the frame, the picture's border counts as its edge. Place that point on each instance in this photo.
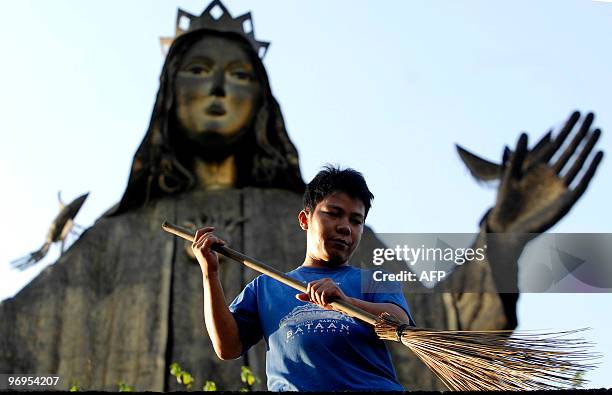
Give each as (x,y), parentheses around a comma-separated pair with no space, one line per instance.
(539,186)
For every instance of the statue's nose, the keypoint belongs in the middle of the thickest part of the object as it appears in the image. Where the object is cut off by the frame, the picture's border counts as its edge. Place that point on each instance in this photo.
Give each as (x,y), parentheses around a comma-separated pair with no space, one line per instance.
(218,84)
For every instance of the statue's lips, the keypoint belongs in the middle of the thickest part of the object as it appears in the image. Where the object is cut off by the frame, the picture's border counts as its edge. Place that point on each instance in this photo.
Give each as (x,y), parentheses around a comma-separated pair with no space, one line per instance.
(215,109)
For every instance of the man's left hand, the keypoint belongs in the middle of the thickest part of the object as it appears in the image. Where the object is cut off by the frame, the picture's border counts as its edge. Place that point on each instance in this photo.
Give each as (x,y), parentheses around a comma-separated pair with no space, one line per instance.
(322,292)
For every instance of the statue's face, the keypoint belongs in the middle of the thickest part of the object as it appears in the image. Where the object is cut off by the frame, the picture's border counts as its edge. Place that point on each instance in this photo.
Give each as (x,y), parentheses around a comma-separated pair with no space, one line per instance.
(216,88)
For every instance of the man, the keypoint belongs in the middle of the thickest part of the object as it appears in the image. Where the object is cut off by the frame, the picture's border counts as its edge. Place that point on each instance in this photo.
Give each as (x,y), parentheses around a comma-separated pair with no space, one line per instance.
(310,346)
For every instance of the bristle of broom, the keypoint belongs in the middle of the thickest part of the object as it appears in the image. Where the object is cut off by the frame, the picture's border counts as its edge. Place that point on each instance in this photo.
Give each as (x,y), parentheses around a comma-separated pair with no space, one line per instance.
(496,360)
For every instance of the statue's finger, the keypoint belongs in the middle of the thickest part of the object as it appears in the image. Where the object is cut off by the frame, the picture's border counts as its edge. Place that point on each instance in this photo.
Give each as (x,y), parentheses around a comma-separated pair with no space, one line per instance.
(516,163)
(588,176)
(571,149)
(535,155)
(558,141)
(586,151)
(541,145)
(506,156)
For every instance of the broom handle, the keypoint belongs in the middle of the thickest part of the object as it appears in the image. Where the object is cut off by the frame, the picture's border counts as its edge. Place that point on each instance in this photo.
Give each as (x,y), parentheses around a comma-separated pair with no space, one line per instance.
(270,271)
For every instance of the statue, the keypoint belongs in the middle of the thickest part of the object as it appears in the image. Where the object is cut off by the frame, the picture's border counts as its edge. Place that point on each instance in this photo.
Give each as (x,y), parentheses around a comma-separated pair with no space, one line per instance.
(125,301)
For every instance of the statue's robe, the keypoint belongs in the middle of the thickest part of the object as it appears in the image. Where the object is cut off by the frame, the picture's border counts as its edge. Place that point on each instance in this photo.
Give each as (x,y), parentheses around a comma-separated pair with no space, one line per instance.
(125,301)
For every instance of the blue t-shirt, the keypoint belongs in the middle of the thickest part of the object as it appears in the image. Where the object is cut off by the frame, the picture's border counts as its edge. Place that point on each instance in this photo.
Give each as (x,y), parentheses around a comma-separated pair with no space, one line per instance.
(310,348)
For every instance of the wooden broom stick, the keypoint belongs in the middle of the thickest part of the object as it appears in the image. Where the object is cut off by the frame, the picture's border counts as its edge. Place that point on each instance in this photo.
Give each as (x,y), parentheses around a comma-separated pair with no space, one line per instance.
(262,268)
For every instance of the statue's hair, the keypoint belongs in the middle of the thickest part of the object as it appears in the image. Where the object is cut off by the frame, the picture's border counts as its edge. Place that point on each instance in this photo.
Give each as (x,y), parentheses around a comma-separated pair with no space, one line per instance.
(267,158)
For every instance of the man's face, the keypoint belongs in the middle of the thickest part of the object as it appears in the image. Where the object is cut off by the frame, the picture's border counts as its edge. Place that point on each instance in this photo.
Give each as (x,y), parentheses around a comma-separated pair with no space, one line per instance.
(333,229)
(216,88)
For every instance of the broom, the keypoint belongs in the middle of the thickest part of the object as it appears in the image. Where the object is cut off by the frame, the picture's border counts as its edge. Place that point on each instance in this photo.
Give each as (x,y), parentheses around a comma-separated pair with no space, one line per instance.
(463,360)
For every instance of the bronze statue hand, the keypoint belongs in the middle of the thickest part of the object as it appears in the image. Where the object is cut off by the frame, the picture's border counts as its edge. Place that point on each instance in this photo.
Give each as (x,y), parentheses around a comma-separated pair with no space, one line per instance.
(534,192)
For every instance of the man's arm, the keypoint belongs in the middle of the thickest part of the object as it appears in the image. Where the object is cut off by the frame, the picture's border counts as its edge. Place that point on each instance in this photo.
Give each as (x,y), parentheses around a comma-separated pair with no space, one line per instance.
(325,291)
(220,323)
(379,308)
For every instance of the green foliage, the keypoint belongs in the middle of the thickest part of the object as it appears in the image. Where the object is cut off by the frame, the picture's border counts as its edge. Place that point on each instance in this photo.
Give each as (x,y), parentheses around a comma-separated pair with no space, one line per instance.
(182,376)
(209,386)
(175,369)
(578,379)
(248,378)
(123,387)
(74,387)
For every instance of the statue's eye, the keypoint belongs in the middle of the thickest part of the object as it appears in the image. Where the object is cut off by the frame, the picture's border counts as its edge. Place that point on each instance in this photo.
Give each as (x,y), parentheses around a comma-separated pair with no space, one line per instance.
(197,69)
(242,75)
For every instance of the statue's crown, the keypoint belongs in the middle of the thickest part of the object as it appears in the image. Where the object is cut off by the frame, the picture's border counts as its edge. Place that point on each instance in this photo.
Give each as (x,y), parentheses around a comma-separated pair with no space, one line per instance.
(216,17)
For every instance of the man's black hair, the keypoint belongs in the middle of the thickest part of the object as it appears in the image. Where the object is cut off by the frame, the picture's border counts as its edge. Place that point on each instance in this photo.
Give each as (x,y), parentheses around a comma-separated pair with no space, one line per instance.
(333,179)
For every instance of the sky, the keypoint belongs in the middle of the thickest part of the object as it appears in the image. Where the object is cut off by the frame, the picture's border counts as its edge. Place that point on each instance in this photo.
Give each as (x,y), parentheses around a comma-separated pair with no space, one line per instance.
(386,87)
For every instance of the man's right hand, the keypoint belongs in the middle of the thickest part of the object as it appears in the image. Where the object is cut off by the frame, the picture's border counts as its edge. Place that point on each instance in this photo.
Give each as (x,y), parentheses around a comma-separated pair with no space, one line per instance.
(202,244)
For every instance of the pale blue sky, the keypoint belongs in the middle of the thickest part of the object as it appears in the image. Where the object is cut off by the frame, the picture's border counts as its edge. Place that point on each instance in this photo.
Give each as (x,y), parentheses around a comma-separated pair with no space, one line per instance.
(386,87)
